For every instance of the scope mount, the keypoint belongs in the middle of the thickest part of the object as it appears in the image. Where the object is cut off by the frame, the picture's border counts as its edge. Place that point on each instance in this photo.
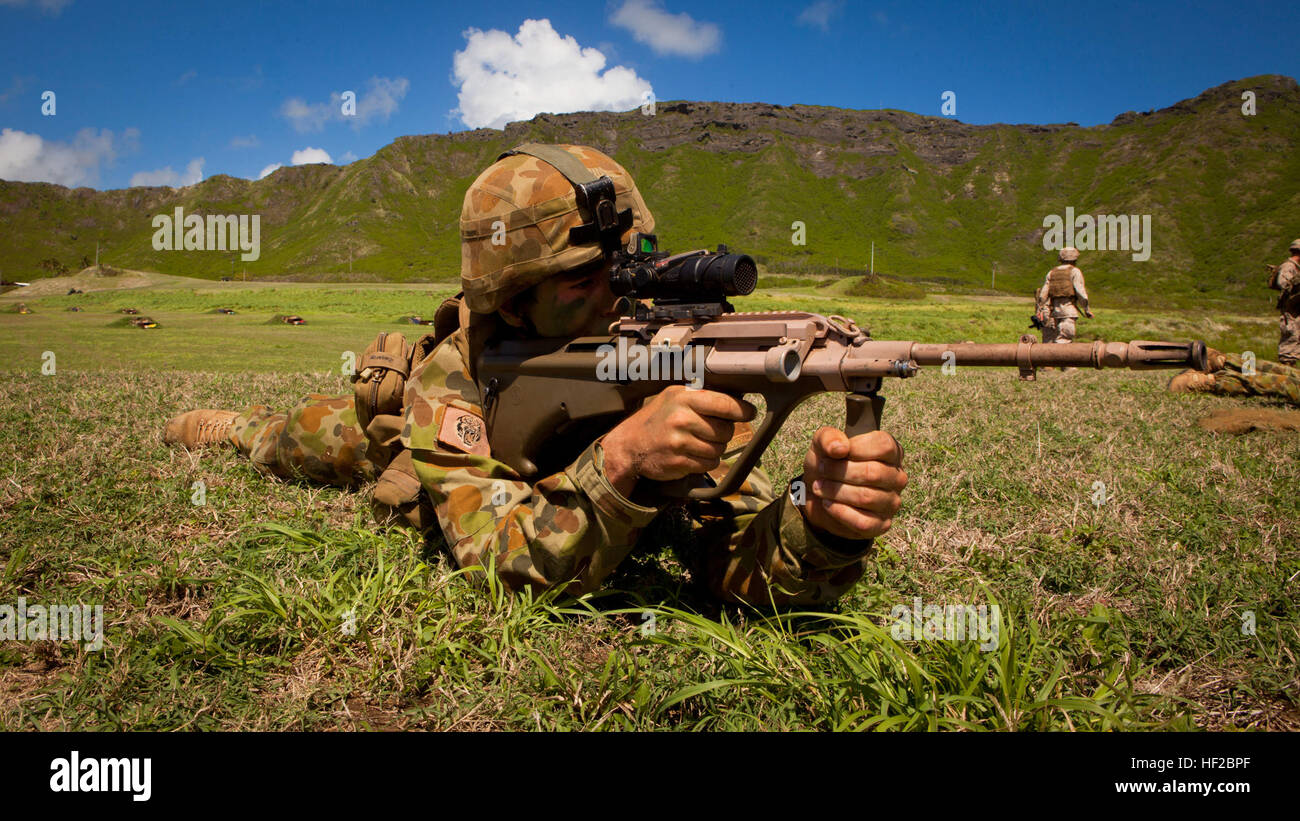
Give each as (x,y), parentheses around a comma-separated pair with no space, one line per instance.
(670,310)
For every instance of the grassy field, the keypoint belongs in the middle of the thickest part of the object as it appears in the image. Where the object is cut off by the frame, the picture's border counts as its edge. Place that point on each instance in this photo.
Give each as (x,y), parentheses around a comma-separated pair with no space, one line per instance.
(231,614)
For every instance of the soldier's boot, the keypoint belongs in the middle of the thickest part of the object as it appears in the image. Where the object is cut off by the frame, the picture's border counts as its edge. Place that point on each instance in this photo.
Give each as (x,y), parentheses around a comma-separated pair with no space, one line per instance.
(1188,381)
(1214,360)
(199,428)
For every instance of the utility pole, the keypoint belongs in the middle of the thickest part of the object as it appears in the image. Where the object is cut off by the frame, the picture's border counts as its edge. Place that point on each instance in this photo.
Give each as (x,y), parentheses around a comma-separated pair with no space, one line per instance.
(995,276)
(351,238)
(873,257)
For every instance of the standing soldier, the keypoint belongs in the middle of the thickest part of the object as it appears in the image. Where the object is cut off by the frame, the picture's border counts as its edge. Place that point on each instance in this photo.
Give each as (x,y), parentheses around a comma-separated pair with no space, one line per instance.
(1286,278)
(1060,298)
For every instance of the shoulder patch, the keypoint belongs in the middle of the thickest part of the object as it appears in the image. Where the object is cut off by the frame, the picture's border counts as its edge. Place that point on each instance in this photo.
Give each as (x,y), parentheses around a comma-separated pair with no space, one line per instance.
(464,431)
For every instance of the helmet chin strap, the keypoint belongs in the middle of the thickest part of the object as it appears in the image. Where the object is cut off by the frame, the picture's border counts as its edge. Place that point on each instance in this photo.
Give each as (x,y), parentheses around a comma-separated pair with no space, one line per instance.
(597,200)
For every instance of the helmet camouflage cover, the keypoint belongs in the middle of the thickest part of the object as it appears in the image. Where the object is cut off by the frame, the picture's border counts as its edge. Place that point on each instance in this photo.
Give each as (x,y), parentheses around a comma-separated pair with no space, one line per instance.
(528,207)
(1295,245)
(1069,254)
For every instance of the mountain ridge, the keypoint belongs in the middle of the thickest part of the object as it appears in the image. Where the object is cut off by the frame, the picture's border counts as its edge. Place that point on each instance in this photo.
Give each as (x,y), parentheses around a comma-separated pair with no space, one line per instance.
(942,200)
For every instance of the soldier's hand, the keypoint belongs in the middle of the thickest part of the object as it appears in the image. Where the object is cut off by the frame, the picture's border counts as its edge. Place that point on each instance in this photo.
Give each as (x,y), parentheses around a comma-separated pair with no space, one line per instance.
(853,485)
(676,433)
(1088,314)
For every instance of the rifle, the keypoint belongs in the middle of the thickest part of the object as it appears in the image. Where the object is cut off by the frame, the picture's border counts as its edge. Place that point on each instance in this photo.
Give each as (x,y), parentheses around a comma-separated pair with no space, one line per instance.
(543,397)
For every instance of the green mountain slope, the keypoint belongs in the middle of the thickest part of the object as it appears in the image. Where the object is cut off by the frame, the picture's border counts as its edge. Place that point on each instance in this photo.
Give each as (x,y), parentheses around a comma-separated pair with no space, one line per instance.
(943,201)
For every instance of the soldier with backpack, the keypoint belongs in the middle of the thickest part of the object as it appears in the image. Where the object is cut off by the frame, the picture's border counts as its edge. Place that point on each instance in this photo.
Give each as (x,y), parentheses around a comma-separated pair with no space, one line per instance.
(539,232)
(1286,278)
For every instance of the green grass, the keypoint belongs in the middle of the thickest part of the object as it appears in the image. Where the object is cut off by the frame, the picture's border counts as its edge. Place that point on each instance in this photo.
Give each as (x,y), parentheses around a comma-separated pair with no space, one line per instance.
(230,615)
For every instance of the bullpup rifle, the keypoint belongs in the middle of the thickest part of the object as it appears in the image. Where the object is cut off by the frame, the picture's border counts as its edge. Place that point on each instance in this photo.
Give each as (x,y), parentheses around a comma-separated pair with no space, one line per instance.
(542,396)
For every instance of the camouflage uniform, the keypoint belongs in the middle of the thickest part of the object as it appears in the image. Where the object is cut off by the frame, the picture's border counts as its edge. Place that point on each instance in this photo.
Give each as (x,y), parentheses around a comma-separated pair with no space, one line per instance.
(751,546)
(318,440)
(521,224)
(1270,379)
(1062,311)
(1288,282)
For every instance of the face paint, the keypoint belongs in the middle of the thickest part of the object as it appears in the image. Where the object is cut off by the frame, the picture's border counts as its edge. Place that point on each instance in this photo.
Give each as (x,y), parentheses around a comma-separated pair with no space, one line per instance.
(572,305)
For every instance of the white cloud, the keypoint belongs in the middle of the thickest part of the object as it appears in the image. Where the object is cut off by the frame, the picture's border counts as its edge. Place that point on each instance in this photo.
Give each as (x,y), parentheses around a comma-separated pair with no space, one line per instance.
(269,170)
(250,141)
(503,79)
(819,14)
(676,34)
(166,176)
(47,6)
(348,157)
(310,155)
(27,157)
(379,101)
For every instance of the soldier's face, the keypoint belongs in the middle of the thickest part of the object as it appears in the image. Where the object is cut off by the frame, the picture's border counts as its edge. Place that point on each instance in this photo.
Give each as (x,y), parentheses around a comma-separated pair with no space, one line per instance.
(575,304)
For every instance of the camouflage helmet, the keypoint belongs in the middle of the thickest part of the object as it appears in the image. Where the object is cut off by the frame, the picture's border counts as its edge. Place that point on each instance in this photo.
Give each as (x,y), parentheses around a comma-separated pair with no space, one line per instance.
(1069,254)
(530,207)
(1295,245)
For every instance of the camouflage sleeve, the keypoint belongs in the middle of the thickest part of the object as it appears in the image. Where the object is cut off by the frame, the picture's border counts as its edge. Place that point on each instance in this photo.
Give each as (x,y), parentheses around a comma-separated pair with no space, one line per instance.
(1288,276)
(758,548)
(1076,279)
(571,525)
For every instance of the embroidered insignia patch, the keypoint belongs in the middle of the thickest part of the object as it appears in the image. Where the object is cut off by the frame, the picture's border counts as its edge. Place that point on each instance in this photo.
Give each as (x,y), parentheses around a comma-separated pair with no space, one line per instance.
(464,431)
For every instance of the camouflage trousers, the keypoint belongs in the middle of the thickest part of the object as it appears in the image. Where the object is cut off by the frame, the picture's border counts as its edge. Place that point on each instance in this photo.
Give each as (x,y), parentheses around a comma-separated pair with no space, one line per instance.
(1288,347)
(1058,329)
(1270,379)
(318,440)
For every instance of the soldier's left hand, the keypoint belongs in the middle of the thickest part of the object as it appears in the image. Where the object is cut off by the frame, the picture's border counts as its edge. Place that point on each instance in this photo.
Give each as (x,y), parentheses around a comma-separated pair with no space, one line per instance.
(852,485)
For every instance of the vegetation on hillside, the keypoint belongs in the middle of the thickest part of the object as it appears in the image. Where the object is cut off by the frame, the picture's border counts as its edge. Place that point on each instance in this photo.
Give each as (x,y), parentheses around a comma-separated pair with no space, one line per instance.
(947,205)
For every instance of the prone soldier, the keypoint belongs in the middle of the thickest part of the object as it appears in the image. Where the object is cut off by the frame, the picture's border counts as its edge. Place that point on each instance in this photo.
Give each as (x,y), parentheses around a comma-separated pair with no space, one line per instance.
(565,209)
(1228,375)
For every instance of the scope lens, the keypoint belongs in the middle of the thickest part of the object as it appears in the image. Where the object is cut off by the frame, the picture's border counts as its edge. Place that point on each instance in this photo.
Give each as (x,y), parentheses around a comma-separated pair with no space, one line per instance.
(703,278)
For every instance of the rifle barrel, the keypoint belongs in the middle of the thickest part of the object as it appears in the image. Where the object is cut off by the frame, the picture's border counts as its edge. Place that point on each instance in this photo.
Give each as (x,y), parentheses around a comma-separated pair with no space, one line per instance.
(1138,355)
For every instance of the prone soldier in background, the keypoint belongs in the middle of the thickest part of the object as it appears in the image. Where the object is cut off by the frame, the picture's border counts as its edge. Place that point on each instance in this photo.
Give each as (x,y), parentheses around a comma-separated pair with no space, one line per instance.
(1232,375)
(1286,278)
(539,230)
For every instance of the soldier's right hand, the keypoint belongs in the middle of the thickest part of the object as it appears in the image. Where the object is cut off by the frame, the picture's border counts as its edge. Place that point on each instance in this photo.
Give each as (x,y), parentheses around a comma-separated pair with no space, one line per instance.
(1088,314)
(676,433)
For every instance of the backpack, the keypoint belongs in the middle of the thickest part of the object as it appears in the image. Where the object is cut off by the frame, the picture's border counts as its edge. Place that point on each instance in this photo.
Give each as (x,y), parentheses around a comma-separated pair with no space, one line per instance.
(379,390)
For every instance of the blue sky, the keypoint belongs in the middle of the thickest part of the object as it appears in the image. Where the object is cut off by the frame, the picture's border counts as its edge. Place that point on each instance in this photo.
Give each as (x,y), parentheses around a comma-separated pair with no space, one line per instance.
(167,93)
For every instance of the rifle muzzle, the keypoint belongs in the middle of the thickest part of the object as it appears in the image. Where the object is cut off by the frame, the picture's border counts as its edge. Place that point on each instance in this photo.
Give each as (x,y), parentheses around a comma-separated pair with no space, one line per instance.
(1145,356)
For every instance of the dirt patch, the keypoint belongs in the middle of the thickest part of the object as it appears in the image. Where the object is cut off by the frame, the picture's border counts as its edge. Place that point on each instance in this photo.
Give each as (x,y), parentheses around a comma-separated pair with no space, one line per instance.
(1244,421)
(88,280)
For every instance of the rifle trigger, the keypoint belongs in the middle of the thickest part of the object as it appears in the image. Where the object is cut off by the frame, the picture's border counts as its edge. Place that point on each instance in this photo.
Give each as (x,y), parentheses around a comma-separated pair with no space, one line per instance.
(490,394)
